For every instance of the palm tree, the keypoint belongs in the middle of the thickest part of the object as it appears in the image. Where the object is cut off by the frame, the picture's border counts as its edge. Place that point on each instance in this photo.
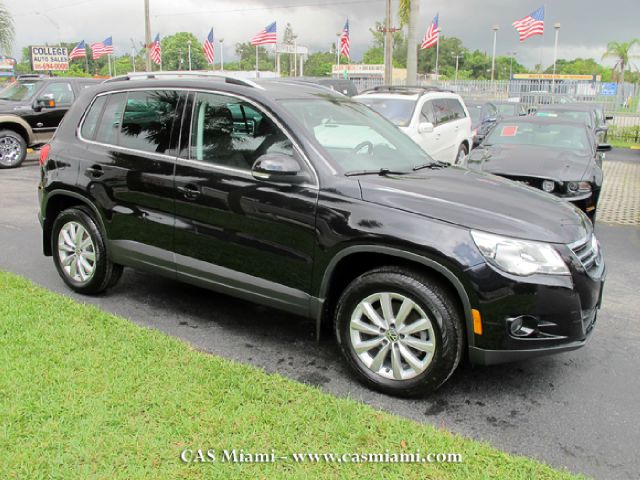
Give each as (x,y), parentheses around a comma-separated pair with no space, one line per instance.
(409,11)
(620,51)
(6,29)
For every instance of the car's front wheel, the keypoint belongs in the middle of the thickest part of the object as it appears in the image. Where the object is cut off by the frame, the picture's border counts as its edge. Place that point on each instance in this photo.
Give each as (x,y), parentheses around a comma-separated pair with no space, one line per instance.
(399,331)
(79,253)
(13,149)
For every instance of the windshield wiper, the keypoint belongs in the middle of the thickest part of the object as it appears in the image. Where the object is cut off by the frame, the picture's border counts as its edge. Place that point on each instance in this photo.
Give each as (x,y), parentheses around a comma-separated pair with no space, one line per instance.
(382,172)
(434,165)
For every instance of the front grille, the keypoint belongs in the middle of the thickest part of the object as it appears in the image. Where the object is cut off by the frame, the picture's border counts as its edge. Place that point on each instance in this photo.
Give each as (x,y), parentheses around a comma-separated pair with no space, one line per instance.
(587,251)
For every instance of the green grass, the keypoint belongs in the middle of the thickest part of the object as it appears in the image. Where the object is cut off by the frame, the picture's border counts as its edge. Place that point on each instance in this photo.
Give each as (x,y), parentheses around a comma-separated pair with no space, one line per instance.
(85,394)
(618,143)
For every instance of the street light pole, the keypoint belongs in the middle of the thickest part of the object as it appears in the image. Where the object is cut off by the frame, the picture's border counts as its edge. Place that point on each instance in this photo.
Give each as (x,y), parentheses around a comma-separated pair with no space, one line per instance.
(495,29)
(456,76)
(388,46)
(295,56)
(189,47)
(221,55)
(555,58)
(147,34)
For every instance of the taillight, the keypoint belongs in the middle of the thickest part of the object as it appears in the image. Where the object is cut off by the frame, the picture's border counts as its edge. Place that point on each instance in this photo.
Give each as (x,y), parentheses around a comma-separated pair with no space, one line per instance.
(44,154)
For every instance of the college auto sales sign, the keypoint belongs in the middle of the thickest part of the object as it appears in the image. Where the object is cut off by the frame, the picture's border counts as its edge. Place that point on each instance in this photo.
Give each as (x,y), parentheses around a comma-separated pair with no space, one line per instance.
(49,58)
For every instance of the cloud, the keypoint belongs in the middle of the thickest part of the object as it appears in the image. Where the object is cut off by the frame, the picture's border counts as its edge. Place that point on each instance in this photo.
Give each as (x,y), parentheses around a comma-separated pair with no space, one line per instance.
(587,25)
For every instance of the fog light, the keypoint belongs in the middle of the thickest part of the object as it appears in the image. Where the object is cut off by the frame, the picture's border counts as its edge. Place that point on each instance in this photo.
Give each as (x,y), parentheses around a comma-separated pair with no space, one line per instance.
(548,186)
(523,326)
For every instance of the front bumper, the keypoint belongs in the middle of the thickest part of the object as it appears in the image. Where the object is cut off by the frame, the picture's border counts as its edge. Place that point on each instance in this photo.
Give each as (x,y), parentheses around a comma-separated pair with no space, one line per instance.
(562,310)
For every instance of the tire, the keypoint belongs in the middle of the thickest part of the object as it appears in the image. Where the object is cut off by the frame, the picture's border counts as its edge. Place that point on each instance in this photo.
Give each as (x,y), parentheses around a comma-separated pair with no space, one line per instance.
(13,149)
(79,253)
(463,151)
(445,332)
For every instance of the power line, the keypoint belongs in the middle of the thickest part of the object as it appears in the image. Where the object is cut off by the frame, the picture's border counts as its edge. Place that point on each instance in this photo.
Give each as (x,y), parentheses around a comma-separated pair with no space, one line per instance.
(59,7)
(237,10)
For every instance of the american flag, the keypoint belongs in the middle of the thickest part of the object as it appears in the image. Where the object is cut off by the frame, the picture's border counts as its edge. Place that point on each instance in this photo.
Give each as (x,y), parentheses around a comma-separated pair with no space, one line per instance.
(265,36)
(156,51)
(209,50)
(531,24)
(78,51)
(431,37)
(344,40)
(102,48)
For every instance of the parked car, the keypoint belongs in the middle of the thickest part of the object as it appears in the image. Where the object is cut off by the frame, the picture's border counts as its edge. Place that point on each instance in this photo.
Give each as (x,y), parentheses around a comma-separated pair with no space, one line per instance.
(435,119)
(31,109)
(511,109)
(341,85)
(484,116)
(412,262)
(558,156)
(588,113)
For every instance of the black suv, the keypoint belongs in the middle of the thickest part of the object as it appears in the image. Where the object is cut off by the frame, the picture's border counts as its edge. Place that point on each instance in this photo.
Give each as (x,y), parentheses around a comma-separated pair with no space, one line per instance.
(299,198)
(31,109)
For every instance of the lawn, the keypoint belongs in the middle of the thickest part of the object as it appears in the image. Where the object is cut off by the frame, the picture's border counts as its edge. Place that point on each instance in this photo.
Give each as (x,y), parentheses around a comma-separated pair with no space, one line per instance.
(85,394)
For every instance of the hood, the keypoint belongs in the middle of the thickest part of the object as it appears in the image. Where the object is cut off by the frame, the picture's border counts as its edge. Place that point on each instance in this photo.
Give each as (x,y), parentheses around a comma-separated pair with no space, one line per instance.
(479,201)
(8,106)
(530,161)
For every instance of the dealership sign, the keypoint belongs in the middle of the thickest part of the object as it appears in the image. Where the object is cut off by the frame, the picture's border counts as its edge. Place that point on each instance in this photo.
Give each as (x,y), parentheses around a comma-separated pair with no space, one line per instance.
(49,58)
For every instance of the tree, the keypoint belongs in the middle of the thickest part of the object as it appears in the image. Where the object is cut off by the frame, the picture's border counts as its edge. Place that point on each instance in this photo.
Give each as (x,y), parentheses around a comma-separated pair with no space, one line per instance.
(375,54)
(247,54)
(319,64)
(6,29)
(620,51)
(175,52)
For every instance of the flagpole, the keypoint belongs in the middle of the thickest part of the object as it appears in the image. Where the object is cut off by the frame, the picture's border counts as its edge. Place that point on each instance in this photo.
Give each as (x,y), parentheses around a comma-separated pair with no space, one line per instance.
(437,54)
(257,69)
(109,62)
(86,60)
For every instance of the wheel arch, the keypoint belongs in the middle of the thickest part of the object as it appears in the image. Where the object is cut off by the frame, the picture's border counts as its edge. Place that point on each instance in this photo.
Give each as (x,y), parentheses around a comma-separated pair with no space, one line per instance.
(17,125)
(358,259)
(58,201)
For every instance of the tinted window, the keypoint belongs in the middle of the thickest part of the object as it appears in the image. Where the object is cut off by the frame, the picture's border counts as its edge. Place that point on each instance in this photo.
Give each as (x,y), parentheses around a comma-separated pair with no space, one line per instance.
(442,111)
(426,114)
(111,118)
(456,109)
(92,117)
(230,132)
(20,91)
(148,120)
(62,93)
(557,136)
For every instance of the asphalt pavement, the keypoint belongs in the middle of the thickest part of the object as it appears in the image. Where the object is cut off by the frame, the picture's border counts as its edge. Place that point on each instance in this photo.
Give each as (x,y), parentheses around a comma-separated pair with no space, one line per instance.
(577,410)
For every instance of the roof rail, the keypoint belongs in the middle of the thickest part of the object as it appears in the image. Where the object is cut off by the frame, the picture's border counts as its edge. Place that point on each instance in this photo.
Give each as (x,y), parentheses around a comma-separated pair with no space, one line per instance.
(180,73)
(405,89)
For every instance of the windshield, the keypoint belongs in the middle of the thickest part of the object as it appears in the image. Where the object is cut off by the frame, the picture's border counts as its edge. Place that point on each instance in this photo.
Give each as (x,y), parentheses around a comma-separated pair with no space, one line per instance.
(20,91)
(398,110)
(569,137)
(355,137)
(577,116)
(507,109)
(475,112)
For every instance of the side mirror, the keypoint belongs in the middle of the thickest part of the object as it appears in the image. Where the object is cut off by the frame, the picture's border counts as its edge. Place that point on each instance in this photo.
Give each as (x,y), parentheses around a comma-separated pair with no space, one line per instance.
(277,167)
(425,127)
(491,120)
(45,102)
(608,117)
(604,147)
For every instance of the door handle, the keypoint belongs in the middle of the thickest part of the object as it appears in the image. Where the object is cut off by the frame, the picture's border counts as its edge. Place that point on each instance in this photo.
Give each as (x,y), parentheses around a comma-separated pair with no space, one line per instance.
(95,171)
(189,191)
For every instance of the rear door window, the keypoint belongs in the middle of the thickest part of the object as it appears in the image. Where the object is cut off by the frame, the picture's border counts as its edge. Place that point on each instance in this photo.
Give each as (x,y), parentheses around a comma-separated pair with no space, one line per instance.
(92,117)
(110,121)
(148,120)
(457,112)
(441,111)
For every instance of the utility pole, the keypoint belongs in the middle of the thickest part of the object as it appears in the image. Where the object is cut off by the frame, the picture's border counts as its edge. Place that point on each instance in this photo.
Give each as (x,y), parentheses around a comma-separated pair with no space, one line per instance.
(495,29)
(555,59)
(457,59)
(388,45)
(147,34)
(221,41)
(412,42)
(189,46)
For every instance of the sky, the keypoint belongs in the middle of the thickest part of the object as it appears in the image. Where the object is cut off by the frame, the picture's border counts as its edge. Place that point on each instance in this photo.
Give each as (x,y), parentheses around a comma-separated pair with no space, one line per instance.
(586,25)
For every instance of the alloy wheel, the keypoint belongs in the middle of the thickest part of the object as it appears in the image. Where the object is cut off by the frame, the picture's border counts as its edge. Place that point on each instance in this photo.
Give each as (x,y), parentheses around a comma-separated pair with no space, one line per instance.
(10,151)
(392,336)
(76,252)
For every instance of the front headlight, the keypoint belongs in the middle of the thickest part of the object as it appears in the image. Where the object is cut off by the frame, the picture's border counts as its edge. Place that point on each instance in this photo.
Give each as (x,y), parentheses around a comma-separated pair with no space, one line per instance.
(519,257)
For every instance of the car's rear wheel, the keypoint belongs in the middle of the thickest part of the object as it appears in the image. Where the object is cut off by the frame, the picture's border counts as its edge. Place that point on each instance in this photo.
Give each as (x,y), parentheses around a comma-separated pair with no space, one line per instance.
(399,331)
(13,149)
(79,253)
(463,151)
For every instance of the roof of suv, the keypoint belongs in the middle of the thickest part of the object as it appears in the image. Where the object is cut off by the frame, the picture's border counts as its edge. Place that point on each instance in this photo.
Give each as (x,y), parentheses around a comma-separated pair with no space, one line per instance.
(274,89)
